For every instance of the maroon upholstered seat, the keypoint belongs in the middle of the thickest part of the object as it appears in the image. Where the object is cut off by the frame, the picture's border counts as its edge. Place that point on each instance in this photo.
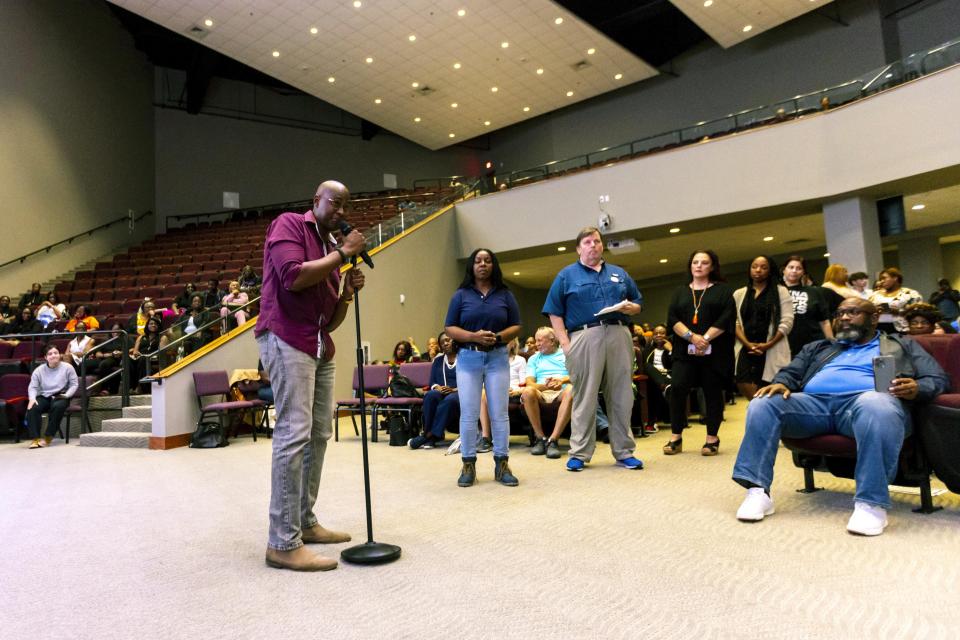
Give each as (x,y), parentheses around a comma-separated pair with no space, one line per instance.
(216,383)
(13,402)
(374,382)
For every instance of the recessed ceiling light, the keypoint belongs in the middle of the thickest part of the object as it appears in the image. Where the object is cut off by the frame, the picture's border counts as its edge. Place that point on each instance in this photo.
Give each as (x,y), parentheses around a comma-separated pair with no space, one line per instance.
(276,54)
(526,108)
(539,72)
(618,76)
(454,105)
(516,273)
(314,31)
(208,22)
(369,60)
(452,135)
(919,207)
(826,255)
(417,119)
(331,79)
(486,123)
(412,38)
(591,51)
(663,261)
(357,4)
(675,230)
(569,94)
(561,248)
(414,84)
(767,238)
(456,65)
(558,21)
(708,3)
(747,28)
(504,45)
(377,101)
(494,89)
(462,12)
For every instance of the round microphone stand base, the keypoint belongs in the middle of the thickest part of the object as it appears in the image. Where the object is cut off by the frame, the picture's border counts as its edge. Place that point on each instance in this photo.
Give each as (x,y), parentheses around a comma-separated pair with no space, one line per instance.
(371,553)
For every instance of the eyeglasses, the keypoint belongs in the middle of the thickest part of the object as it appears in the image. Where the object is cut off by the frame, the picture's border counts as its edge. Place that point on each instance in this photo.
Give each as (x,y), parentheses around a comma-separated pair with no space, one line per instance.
(849,311)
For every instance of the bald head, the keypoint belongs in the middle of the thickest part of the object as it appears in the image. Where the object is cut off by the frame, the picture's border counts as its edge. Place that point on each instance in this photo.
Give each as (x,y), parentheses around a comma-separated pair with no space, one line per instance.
(328,204)
(855,321)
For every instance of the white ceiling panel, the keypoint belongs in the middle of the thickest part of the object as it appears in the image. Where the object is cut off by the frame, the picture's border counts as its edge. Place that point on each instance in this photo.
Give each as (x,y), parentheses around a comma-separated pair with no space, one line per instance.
(250,31)
(730,22)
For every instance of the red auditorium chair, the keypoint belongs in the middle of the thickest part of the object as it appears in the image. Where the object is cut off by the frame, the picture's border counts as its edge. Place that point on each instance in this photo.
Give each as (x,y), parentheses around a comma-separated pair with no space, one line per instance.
(123,282)
(123,272)
(80,295)
(936,430)
(216,383)
(7,363)
(145,280)
(63,288)
(13,403)
(110,308)
(132,305)
(125,293)
(151,292)
(166,279)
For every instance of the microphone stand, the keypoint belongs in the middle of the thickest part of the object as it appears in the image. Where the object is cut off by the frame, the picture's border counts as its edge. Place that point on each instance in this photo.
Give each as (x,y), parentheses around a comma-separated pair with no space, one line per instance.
(368,552)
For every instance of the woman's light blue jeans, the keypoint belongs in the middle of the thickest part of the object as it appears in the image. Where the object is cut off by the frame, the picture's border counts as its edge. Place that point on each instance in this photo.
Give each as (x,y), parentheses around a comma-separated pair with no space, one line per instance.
(478,370)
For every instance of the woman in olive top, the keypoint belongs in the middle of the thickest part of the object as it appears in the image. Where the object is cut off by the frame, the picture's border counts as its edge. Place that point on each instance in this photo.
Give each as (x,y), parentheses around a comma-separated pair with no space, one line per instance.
(702,315)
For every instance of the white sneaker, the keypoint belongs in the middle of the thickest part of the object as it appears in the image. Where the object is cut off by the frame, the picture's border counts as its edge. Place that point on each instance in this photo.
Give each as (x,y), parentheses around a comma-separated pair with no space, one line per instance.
(755,506)
(867,520)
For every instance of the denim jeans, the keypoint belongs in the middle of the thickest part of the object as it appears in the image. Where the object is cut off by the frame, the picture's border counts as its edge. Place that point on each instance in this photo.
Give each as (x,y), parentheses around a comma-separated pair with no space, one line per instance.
(477,370)
(303,394)
(877,421)
(439,412)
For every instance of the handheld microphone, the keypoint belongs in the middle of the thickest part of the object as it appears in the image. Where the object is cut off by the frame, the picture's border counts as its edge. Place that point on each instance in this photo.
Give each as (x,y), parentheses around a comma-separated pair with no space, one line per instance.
(346,229)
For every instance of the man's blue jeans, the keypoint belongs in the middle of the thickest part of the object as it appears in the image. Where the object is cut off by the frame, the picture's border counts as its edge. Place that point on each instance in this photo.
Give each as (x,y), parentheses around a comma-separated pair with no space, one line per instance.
(303,391)
(478,370)
(877,421)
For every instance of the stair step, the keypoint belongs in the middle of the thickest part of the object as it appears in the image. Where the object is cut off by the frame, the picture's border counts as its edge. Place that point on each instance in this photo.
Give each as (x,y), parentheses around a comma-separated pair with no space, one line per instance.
(127,425)
(116,439)
(138,411)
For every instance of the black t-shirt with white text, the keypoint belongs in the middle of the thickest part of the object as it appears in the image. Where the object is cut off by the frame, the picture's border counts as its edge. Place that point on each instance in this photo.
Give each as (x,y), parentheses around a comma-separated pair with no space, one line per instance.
(809,310)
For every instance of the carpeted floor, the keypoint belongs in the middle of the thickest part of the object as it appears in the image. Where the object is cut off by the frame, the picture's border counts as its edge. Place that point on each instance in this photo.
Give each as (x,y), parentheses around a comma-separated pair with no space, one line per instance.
(107,543)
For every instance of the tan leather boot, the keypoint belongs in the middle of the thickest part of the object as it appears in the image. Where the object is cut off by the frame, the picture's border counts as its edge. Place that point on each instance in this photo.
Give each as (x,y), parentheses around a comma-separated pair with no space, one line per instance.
(299,559)
(318,535)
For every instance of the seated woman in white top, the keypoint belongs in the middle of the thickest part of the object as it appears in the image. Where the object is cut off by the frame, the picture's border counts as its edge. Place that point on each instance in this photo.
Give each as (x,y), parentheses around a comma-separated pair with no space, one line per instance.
(518,377)
(232,303)
(51,310)
(79,347)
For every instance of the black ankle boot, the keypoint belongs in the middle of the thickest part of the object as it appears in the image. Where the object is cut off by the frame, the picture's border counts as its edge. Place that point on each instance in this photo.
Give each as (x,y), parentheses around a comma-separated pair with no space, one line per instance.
(468,473)
(502,473)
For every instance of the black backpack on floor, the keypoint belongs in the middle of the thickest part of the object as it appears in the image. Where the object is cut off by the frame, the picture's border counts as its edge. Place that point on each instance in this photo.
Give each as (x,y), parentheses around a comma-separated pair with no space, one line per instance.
(209,435)
(399,430)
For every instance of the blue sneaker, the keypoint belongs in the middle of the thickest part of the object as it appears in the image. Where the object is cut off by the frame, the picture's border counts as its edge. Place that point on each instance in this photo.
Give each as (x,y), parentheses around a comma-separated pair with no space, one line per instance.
(420,442)
(574,464)
(630,463)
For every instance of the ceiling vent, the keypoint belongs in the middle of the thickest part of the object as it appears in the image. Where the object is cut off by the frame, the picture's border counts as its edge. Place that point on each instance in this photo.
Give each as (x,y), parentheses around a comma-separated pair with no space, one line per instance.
(426,91)
(198,32)
(580,66)
(798,241)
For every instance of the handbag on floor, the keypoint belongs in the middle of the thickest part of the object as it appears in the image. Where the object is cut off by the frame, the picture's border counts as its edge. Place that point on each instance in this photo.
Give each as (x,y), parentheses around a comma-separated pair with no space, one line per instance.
(399,430)
(209,435)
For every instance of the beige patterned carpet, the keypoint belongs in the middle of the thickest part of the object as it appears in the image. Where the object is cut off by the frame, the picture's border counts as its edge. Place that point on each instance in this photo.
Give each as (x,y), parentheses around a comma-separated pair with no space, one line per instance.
(101,543)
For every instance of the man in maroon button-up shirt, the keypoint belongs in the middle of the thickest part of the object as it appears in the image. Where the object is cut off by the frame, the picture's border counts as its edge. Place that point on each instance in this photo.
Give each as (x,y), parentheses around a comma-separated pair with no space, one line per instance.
(300,304)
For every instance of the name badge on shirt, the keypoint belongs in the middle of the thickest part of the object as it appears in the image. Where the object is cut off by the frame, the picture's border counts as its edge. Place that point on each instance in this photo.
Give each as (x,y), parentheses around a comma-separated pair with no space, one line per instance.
(614,278)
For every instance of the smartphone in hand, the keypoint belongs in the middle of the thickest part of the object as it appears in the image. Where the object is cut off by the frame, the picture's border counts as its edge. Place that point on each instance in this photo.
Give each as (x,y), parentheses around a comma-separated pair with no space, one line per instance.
(883,373)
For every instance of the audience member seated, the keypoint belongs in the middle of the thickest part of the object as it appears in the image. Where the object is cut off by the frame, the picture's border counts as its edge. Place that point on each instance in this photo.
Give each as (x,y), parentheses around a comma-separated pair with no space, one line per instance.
(441,404)
(145,359)
(860,282)
(433,348)
(191,325)
(7,314)
(26,323)
(232,303)
(548,381)
(79,347)
(249,281)
(80,315)
(946,298)
(529,348)
(50,310)
(891,298)
(213,294)
(657,362)
(265,392)
(830,388)
(51,387)
(182,302)
(138,321)
(402,353)
(33,298)
(109,358)
(414,350)
(923,318)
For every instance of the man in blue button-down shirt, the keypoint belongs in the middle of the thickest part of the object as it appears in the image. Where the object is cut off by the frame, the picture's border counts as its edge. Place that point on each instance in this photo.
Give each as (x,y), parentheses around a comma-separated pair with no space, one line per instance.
(598,347)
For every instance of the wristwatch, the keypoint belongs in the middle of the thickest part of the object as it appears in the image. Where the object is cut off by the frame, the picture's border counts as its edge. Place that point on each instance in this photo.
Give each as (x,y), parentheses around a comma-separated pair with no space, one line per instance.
(687,335)
(499,338)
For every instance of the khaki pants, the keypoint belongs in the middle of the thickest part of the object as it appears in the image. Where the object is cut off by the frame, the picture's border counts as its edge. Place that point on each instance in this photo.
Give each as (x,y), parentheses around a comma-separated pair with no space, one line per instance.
(603,353)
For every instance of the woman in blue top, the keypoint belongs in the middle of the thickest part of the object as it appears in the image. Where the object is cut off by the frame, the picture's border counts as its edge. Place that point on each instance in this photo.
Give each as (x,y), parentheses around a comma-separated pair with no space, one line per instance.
(441,404)
(483,317)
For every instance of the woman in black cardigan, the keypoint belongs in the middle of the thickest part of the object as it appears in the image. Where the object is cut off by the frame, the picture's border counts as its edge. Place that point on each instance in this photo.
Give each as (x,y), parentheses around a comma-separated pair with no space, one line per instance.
(702,315)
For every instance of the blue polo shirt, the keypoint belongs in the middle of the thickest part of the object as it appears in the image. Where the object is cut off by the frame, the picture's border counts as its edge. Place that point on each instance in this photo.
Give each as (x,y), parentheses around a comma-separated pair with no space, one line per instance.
(851,371)
(578,292)
(543,366)
(472,311)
